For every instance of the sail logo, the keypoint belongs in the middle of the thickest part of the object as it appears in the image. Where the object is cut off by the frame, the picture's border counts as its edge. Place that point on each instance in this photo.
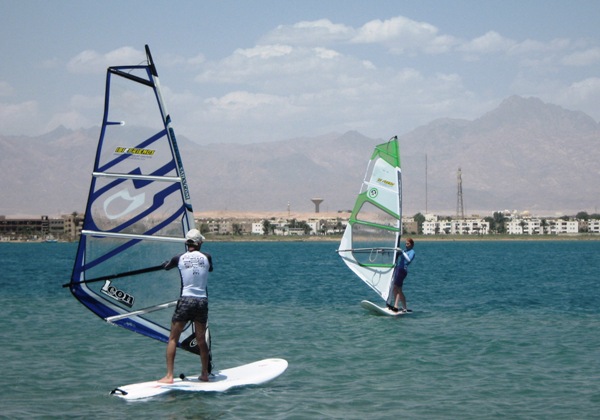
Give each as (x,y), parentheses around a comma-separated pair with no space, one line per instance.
(134,203)
(134,151)
(373,192)
(386,182)
(186,190)
(119,295)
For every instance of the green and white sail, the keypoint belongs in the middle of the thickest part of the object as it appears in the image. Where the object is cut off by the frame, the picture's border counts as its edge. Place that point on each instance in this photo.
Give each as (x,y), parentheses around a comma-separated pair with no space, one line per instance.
(371,241)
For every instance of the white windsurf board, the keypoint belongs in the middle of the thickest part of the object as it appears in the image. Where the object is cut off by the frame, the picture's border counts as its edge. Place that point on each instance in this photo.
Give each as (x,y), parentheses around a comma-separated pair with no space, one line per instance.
(255,373)
(370,306)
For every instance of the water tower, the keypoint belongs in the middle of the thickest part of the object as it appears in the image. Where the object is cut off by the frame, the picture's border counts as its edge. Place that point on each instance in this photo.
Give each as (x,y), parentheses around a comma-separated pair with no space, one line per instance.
(317,201)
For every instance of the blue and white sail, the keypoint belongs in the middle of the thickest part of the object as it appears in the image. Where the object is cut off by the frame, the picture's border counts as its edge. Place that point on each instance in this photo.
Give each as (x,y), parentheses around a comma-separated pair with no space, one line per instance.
(371,240)
(138,210)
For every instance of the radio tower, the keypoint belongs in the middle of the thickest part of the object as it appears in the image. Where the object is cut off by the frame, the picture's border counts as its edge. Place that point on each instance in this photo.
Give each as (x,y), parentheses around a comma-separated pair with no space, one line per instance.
(460,210)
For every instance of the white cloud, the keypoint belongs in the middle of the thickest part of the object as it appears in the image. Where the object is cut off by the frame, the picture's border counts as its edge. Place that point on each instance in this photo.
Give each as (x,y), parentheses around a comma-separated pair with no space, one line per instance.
(319,90)
(583,95)
(395,29)
(441,44)
(283,69)
(319,32)
(326,53)
(383,77)
(583,58)
(246,64)
(491,42)
(401,34)
(197,60)
(265,51)
(533,46)
(243,101)
(13,117)
(587,88)
(90,61)
(324,26)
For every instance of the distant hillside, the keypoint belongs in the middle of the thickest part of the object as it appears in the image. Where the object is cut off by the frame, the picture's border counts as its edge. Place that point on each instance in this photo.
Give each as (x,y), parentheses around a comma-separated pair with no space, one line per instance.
(524,155)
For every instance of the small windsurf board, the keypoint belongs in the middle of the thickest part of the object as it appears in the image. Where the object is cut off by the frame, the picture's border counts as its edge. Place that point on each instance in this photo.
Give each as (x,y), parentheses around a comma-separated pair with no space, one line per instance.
(370,306)
(255,373)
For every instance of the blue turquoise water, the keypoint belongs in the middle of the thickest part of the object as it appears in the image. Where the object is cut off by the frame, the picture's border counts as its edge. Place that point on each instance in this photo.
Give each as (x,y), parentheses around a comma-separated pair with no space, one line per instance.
(499,330)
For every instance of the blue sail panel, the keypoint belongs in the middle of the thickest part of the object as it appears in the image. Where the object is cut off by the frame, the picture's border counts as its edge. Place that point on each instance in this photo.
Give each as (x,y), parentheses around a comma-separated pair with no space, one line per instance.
(138,209)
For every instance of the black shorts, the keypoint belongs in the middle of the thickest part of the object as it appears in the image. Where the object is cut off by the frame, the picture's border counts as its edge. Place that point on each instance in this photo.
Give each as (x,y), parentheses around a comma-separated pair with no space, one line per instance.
(399,277)
(191,309)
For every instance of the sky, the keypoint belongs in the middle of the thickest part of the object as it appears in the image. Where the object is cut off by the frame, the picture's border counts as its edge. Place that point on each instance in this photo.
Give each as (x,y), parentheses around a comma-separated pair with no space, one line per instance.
(241,71)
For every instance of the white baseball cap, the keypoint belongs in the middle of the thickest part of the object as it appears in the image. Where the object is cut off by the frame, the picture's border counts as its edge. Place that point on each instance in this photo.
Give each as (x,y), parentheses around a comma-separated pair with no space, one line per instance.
(194,236)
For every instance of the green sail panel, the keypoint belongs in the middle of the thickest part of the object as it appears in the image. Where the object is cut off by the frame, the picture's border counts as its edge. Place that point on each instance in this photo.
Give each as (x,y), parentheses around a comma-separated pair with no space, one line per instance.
(371,240)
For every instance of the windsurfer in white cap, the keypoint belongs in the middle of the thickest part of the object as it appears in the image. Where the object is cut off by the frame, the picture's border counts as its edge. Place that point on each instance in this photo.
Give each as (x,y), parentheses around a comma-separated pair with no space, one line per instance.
(192,306)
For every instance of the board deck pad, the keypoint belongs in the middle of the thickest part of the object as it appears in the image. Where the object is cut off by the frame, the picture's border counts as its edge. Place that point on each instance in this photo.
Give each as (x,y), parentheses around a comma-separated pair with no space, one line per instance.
(255,373)
(370,306)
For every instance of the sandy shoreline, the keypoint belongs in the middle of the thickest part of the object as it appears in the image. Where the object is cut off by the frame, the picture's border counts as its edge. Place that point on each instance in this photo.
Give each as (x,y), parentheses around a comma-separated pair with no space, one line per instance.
(243,215)
(417,238)
(225,214)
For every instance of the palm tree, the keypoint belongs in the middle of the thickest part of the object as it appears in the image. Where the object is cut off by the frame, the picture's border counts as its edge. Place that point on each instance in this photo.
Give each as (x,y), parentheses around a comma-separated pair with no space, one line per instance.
(544,225)
(339,226)
(237,229)
(266,227)
(419,218)
(499,221)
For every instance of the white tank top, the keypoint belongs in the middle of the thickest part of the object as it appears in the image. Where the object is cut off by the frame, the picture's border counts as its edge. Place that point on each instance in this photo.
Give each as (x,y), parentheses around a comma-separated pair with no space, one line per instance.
(193,266)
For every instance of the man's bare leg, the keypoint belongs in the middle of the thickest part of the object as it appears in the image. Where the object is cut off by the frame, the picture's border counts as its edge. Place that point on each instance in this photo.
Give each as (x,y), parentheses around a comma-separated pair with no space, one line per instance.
(176,328)
(203,347)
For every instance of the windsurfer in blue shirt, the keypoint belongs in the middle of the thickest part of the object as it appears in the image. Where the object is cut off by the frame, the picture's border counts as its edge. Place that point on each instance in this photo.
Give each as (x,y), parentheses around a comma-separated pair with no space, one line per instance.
(192,306)
(400,273)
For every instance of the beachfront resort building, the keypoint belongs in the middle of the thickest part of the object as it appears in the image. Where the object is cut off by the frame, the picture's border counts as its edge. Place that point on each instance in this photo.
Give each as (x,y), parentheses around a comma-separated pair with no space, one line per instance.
(43,228)
(538,226)
(593,226)
(68,227)
(433,225)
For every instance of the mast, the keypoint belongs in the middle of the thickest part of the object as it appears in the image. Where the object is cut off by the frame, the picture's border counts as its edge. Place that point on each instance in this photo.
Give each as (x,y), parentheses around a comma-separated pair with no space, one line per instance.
(460,210)
(426,183)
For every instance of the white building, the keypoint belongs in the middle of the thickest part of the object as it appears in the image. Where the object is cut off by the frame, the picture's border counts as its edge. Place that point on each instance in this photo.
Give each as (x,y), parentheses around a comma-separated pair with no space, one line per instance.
(535,226)
(558,226)
(257,228)
(315,226)
(456,227)
(593,225)
(524,227)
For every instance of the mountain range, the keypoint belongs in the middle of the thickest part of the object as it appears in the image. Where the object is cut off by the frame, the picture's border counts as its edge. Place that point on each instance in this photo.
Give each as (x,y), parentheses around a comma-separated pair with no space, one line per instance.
(523,155)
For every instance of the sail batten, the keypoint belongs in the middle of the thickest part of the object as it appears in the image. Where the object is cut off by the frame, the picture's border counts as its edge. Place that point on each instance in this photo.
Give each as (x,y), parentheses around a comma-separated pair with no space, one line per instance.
(160,307)
(371,241)
(138,210)
(138,177)
(133,236)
